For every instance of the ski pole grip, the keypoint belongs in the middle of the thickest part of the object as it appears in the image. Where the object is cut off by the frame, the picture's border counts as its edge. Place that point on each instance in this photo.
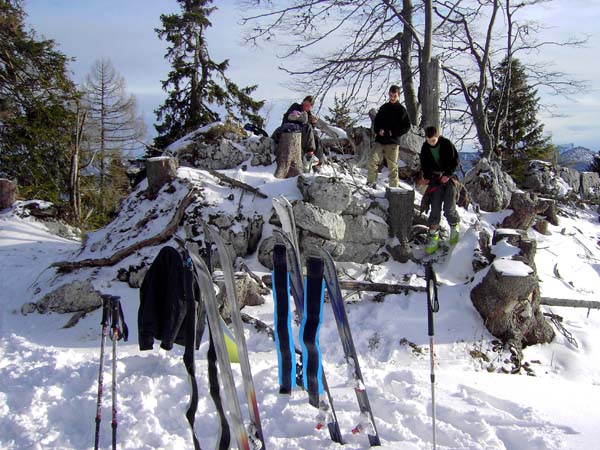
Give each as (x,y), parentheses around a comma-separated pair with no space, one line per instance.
(430,319)
(114,303)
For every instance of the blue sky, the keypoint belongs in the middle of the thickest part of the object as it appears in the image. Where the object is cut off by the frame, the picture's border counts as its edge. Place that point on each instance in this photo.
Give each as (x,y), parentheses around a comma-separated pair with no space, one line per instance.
(123,30)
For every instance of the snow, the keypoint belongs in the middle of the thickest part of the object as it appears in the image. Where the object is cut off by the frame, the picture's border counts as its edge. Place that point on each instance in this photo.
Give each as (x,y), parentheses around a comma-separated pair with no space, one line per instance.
(510,268)
(48,374)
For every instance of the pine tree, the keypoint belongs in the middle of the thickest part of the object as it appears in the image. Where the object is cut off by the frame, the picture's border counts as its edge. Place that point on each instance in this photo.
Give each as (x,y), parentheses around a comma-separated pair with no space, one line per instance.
(196,85)
(595,164)
(35,118)
(341,114)
(521,136)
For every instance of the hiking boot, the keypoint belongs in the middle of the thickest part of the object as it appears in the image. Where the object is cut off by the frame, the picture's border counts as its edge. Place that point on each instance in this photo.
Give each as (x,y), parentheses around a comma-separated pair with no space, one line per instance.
(454,234)
(432,245)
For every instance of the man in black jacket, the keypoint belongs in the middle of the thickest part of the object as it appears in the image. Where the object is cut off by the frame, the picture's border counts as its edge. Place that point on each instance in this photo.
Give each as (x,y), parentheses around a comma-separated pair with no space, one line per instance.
(391,123)
(439,161)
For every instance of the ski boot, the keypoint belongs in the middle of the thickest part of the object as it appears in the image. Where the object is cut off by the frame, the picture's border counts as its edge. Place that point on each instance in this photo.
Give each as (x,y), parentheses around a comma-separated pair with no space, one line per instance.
(433,241)
(454,234)
(310,161)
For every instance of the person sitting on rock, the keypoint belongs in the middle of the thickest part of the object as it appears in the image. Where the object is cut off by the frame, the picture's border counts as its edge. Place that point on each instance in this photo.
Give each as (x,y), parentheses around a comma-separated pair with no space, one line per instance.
(301,114)
(439,161)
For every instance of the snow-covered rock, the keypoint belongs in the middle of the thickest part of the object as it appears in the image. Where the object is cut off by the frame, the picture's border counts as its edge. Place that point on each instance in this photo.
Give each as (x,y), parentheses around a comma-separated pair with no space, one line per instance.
(489,186)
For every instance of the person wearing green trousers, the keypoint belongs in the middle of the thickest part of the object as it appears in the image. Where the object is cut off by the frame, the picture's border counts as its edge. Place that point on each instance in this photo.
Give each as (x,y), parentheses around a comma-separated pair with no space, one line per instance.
(439,161)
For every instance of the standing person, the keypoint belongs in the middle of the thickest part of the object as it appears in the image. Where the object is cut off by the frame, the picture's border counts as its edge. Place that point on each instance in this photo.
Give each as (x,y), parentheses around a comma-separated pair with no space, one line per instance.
(301,114)
(391,123)
(439,161)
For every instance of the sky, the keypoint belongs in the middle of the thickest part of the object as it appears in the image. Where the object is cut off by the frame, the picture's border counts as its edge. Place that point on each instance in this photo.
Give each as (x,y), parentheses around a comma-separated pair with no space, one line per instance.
(124,32)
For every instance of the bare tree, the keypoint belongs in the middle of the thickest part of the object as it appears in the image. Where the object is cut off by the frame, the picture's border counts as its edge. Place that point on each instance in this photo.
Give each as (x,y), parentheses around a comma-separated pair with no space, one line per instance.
(112,125)
(472,39)
(376,43)
(379,46)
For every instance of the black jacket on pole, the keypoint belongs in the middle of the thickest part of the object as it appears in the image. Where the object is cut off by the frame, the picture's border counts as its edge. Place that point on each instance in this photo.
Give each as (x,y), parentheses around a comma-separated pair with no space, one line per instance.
(165,290)
(393,119)
(448,160)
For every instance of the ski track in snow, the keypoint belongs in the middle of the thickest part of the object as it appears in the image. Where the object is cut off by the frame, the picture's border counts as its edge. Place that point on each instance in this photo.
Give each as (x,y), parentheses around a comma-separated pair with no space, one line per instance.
(48,375)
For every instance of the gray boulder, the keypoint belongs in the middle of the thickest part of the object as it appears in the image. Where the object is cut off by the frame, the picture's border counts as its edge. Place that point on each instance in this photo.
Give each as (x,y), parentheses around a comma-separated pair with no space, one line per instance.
(249,293)
(489,187)
(328,193)
(572,177)
(590,186)
(68,298)
(318,221)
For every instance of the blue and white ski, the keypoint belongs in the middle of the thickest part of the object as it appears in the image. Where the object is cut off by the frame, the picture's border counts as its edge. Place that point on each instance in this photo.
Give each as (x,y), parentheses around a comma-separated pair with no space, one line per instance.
(367,421)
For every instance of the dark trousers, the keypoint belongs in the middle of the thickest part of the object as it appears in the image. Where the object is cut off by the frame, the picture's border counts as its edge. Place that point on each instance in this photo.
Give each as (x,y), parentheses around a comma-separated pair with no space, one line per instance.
(442,195)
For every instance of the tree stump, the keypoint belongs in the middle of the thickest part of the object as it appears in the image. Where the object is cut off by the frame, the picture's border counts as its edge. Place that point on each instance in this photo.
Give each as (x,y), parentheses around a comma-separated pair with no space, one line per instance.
(526,207)
(289,155)
(400,219)
(160,170)
(8,193)
(360,137)
(508,300)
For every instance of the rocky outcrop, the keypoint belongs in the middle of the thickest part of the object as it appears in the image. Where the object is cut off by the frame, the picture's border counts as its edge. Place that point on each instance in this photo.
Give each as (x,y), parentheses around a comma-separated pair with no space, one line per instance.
(332,216)
(541,177)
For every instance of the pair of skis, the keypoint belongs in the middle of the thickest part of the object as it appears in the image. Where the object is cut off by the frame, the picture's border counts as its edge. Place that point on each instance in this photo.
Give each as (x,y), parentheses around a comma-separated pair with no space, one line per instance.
(323,268)
(251,438)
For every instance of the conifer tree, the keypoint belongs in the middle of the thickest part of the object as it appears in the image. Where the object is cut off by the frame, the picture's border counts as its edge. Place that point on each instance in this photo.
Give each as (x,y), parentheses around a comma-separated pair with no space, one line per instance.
(196,85)
(521,133)
(35,118)
(341,113)
(595,164)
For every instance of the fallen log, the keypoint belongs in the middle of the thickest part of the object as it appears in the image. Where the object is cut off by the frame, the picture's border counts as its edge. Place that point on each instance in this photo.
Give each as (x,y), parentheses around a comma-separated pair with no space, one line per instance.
(354,285)
(236,183)
(590,304)
(164,235)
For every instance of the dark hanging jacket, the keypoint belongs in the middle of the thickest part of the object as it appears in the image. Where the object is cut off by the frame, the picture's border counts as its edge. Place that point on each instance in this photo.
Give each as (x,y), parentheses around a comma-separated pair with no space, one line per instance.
(393,119)
(162,312)
(448,164)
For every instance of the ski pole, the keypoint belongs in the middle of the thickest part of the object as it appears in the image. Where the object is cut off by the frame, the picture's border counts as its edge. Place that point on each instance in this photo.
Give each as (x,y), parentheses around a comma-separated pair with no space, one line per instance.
(104,323)
(433,306)
(115,338)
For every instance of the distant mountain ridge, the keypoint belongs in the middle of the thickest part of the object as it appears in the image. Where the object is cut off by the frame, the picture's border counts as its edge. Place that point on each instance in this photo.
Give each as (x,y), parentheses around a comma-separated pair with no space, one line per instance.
(569,155)
(575,157)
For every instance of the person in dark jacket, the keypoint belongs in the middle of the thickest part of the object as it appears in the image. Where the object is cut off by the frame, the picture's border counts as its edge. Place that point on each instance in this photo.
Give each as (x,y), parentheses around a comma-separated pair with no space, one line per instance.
(390,124)
(439,161)
(301,115)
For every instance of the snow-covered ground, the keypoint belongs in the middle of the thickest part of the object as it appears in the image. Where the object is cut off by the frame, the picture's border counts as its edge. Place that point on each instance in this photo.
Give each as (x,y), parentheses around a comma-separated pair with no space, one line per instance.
(48,375)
